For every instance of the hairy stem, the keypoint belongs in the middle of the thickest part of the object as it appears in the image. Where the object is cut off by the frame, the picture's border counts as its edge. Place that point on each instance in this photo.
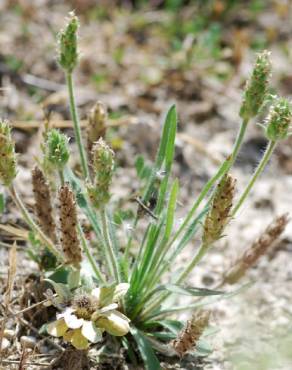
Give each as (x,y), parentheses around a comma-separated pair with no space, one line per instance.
(110,249)
(223,169)
(61,177)
(265,159)
(89,255)
(76,123)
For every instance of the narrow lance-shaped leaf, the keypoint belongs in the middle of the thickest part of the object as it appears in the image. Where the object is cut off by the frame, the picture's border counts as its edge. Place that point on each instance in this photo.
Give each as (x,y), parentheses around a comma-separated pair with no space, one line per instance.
(165,151)
(147,353)
(167,133)
(171,210)
(181,290)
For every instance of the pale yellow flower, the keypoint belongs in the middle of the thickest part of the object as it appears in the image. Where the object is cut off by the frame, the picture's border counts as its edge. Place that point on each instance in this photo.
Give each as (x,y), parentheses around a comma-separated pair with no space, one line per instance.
(78,331)
(91,315)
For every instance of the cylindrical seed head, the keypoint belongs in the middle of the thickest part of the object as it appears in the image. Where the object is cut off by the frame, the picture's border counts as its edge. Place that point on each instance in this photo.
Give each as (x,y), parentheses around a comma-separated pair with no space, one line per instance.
(96,124)
(67,44)
(7,155)
(103,166)
(188,338)
(43,204)
(256,87)
(260,247)
(68,225)
(279,120)
(219,213)
(57,149)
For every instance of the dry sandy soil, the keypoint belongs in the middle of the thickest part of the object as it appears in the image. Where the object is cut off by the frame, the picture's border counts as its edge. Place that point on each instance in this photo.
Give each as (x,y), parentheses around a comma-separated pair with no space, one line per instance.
(128,60)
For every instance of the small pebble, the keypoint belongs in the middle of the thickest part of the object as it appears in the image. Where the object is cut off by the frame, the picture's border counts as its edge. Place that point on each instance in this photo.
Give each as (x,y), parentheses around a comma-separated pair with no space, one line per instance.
(5,344)
(28,341)
(8,333)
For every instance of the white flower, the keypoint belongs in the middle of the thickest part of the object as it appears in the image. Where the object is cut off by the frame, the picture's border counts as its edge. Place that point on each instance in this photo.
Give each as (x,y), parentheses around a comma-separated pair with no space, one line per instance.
(76,330)
(91,315)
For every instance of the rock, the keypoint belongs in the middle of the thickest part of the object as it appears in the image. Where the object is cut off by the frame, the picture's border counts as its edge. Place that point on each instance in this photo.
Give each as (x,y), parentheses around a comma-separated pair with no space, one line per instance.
(28,341)
(5,344)
(9,334)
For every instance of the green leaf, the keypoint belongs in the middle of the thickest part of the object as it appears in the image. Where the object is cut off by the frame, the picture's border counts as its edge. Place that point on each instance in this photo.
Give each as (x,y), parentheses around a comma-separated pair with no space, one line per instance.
(171,210)
(167,138)
(148,355)
(203,348)
(189,234)
(165,153)
(143,170)
(202,303)
(60,275)
(131,353)
(170,147)
(2,203)
(191,291)
(73,278)
(62,290)
(174,326)
(164,335)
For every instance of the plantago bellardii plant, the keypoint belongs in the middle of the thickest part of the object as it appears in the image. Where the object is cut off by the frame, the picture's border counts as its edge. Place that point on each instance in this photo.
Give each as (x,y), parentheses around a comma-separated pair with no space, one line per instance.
(122,289)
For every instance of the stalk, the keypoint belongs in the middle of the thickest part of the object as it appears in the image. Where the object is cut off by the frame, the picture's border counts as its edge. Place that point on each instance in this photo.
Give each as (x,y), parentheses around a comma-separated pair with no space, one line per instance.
(76,123)
(265,159)
(61,177)
(224,168)
(49,244)
(89,256)
(204,248)
(215,222)
(110,250)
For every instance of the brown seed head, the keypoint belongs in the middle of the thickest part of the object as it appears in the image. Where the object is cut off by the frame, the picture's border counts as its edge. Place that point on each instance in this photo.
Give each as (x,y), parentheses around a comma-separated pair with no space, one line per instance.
(68,224)
(43,204)
(188,338)
(257,249)
(219,213)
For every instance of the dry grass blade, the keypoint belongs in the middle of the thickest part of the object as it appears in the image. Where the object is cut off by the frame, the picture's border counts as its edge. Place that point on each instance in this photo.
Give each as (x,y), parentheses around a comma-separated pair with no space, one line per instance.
(30,125)
(11,274)
(10,282)
(16,232)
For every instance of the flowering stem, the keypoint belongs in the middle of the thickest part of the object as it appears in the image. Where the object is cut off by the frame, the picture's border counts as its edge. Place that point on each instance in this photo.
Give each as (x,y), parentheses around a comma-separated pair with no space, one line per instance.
(223,169)
(110,250)
(76,124)
(198,257)
(89,255)
(61,176)
(265,159)
(49,244)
